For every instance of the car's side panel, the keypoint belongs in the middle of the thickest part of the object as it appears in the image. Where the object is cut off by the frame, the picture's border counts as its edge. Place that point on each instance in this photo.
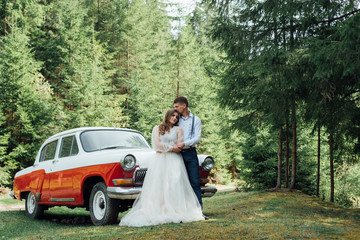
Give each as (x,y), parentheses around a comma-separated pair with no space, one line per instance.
(73,195)
(45,193)
(29,182)
(61,182)
(81,174)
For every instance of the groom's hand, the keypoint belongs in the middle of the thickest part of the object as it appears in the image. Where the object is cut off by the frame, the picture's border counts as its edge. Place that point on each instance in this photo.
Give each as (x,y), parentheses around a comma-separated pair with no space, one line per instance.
(176,149)
(180,145)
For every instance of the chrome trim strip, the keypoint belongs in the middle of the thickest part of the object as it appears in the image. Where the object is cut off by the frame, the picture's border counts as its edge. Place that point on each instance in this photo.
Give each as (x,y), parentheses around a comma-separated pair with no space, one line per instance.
(62,199)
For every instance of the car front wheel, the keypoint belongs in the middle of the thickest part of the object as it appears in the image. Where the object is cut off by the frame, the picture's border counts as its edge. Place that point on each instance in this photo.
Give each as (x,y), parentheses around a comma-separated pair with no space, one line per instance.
(32,208)
(103,210)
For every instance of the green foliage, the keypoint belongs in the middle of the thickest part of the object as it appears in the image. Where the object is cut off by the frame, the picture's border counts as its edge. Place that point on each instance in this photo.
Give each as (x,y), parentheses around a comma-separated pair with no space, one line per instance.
(149,74)
(86,62)
(278,52)
(4,177)
(66,64)
(259,159)
(25,99)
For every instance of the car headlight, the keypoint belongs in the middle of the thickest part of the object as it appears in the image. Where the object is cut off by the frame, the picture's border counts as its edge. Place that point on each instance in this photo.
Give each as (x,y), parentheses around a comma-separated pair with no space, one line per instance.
(128,162)
(208,163)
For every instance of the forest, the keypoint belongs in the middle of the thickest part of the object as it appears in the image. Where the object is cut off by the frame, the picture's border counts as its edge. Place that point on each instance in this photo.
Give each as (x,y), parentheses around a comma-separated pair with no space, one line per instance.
(276,83)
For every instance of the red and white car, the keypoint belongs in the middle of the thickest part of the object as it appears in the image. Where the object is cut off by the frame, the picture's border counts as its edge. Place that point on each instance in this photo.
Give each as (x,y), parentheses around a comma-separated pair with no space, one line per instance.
(101,169)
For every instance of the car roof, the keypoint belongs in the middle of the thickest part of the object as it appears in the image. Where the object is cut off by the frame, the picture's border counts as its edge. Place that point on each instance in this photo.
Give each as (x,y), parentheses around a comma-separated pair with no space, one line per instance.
(82,129)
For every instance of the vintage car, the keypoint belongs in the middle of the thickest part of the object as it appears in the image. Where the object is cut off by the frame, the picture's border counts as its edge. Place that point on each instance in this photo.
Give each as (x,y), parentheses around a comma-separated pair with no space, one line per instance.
(101,169)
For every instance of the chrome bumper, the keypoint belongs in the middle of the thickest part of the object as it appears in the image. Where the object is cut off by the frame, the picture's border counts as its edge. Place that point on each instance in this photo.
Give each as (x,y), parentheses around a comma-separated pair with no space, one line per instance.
(208,191)
(123,192)
(133,192)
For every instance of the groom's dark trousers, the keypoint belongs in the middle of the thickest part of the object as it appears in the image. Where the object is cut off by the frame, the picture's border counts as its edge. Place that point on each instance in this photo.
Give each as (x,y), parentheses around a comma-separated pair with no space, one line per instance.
(192,167)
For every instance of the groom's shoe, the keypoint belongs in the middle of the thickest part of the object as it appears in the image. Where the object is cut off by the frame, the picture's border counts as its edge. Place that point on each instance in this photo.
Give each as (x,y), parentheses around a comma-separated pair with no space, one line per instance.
(205,217)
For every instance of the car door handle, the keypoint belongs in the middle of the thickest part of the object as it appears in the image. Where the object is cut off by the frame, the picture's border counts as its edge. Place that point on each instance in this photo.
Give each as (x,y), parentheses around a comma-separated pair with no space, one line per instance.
(55,161)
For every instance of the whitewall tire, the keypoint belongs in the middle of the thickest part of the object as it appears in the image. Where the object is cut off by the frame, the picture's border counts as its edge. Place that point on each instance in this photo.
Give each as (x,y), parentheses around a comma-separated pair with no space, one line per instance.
(103,210)
(32,208)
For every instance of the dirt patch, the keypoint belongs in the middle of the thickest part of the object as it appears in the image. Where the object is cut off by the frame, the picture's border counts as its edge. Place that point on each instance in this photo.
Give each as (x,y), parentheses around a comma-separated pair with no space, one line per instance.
(12,207)
(224,188)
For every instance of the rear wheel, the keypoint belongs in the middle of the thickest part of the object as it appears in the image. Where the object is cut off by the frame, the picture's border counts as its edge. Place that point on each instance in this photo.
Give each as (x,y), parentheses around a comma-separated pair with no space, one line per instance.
(32,208)
(103,210)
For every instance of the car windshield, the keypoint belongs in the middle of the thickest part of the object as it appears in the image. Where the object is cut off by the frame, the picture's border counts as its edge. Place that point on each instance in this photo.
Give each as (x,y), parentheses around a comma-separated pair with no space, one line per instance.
(95,140)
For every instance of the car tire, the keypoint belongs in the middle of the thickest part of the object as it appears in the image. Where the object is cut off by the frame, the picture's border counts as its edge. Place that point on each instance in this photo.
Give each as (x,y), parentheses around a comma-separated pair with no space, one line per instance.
(103,210)
(32,208)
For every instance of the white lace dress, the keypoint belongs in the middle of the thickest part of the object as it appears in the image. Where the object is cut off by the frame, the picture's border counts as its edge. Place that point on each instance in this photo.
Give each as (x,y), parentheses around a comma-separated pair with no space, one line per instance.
(167,196)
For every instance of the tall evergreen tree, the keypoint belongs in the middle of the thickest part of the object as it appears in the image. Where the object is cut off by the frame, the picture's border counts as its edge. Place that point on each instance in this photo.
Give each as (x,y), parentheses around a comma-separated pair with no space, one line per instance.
(258,72)
(335,80)
(75,63)
(25,99)
(150,79)
(266,64)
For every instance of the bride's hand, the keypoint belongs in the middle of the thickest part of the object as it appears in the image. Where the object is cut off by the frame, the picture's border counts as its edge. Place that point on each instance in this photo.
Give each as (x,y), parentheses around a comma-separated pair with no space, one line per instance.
(180,145)
(176,149)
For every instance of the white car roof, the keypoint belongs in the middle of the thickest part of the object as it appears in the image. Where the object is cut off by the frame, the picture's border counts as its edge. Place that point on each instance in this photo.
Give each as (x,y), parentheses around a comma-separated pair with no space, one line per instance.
(81,129)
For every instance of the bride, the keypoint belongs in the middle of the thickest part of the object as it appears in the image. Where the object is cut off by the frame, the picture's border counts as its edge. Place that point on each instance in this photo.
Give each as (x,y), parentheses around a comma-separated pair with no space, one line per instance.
(167,195)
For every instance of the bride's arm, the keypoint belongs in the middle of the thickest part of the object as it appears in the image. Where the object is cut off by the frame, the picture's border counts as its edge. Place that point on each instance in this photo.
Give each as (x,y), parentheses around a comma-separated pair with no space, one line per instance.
(156,142)
(180,134)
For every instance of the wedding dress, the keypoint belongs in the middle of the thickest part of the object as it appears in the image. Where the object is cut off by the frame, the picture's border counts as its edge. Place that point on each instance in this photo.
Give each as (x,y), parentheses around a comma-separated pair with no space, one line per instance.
(167,196)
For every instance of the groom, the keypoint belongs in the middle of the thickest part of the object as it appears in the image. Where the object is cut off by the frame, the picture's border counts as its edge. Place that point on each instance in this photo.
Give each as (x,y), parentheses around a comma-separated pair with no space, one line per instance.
(191,126)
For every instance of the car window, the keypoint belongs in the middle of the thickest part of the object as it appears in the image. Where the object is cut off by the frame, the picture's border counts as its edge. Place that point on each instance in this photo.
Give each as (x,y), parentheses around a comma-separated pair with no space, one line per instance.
(109,139)
(69,147)
(48,152)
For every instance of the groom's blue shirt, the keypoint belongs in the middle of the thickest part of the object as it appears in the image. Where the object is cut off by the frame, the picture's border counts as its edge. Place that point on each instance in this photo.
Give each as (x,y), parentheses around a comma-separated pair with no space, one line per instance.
(191,141)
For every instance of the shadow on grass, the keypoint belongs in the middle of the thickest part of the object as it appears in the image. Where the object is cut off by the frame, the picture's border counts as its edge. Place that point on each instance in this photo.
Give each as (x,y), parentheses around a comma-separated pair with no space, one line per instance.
(67,219)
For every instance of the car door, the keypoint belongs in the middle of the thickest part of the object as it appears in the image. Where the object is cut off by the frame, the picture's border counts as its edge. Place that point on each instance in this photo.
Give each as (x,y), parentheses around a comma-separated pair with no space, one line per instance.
(44,164)
(61,176)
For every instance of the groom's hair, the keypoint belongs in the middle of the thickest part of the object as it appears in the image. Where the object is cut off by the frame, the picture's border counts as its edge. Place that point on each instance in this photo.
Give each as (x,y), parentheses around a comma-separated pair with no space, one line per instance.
(182,100)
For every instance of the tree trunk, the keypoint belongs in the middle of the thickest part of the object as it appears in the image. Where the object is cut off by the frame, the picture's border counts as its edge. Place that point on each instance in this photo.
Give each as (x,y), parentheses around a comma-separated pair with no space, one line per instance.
(178,69)
(287,154)
(233,170)
(278,185)
(293,167)
(128,58)
(318,165)
(331,145)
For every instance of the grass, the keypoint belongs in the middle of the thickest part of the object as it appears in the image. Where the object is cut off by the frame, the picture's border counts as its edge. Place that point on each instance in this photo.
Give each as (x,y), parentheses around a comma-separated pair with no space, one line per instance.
(233,215)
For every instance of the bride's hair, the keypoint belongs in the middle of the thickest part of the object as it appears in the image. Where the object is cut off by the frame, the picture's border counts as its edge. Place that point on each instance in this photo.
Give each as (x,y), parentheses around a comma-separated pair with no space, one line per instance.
(165,126)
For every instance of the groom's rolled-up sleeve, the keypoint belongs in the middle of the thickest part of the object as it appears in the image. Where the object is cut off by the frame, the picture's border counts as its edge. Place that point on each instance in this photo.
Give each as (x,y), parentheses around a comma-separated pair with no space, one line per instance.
(197,134)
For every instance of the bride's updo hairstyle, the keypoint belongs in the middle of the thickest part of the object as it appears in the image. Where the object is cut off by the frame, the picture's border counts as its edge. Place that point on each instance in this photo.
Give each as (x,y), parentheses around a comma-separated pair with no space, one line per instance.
(165,126)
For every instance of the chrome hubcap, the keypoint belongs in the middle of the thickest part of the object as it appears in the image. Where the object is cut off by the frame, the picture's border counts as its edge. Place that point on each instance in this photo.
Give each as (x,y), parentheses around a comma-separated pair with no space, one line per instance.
(31,203)
(99,205)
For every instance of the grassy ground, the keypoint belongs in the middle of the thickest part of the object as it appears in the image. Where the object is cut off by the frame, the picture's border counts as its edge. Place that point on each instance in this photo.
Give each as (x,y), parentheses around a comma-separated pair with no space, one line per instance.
(233,215)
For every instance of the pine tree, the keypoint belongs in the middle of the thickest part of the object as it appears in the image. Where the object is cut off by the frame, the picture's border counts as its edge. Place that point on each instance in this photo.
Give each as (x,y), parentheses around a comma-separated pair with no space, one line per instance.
(25,99)
(149,77)
(335,53)
(76,64)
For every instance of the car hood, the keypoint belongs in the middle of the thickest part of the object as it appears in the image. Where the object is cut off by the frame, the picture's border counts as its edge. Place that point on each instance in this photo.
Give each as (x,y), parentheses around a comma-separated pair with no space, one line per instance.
(143,156)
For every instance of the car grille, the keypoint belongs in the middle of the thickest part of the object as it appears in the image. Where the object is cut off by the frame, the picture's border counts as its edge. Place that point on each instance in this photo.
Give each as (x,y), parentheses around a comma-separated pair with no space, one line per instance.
(139,176)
